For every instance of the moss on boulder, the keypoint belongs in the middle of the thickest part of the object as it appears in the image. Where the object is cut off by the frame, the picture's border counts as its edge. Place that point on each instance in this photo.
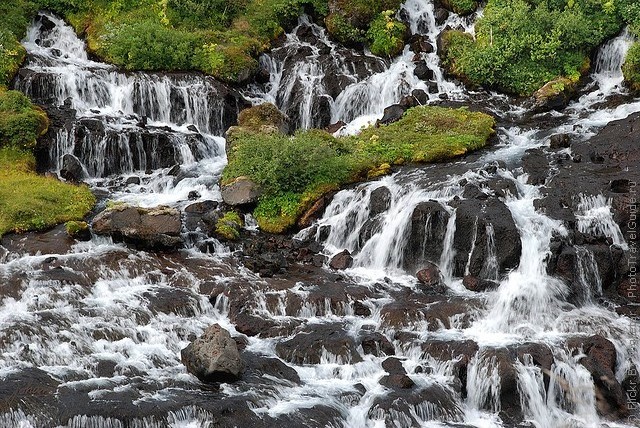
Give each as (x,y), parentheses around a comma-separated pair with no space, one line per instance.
(631,67)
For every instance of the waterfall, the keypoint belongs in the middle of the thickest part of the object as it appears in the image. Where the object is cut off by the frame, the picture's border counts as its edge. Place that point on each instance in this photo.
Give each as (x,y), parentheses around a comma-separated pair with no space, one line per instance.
(93,331)
(119,123)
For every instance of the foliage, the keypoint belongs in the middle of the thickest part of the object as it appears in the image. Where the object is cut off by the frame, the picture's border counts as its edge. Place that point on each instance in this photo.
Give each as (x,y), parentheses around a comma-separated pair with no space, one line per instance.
(229,225)
(16,15)
(631,67)
(20,121)
(520,45)
(461,7)
(294,171)
(386,35)
(32,202)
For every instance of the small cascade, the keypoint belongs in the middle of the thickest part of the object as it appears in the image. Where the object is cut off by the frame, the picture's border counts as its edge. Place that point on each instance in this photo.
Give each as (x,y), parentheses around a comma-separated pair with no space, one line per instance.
(588,275)
(335,84)
(595,217)
(609,60)
(119,124)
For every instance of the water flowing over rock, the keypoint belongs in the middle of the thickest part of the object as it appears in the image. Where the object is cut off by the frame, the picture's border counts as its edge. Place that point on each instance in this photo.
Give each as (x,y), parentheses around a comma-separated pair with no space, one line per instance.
(213,357)
(530,241)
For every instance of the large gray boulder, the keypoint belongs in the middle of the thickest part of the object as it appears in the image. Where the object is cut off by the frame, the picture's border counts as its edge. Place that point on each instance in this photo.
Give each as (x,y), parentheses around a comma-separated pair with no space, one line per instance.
(213,357)
(147,228)
(242,191)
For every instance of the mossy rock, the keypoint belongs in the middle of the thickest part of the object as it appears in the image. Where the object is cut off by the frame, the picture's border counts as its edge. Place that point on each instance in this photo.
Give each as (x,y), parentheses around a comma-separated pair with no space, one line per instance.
(228,226)
(21,122)
(263,117)
(78,230)
(555,94)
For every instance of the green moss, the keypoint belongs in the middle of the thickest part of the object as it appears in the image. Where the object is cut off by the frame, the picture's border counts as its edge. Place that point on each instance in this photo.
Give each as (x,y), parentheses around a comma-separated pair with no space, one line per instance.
(295,171)
(229,225)
(77,229)
(257,117)
(32,202)
(521,45)
(631,67)
(20,121)
(343,31)
(386,35)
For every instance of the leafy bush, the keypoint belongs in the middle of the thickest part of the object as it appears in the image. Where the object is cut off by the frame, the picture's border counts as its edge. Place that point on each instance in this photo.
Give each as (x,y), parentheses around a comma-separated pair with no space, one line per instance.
(293,172)
(148,45)
(631,67)
(20,121)
(461,7)
(520,45)
(386,35)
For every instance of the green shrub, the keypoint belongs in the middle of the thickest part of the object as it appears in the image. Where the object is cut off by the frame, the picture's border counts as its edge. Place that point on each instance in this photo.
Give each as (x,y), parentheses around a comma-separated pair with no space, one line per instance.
(386,35)
(149,45)
(293,172)
(461,7)
(21,123)
(520,45)
(631,67)
(343,31)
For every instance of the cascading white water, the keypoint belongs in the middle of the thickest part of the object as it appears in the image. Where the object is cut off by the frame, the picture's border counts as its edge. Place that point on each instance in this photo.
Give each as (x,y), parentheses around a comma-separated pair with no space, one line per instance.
(113,332)
(127,123)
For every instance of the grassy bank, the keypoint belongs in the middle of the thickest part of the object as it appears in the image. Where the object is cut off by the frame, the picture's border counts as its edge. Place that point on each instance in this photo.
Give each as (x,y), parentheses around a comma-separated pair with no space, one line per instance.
(294,171)
(521,45)
(32,202)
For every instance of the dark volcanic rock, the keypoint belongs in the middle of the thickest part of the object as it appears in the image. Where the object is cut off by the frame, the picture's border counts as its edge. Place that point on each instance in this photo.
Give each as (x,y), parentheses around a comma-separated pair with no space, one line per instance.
(426,237)
(379,201)
(151,228)
(430,276)
(342,260)
(377,344)
(213,357)
(392,114)
(308,345)
(487,231)
(72,169)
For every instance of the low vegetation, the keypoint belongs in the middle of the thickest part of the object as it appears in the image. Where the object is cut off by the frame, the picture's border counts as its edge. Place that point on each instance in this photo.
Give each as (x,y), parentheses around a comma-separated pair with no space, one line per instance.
(294,171)
(521,45)
(20,121)
(32,202)
(631,68)
(229,225)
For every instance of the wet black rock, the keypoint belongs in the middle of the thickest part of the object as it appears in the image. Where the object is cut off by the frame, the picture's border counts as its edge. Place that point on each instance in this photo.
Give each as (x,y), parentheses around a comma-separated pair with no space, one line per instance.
(391,114)
(486,230)
(560,141)
(342,260)
(422,71)
(72,169)
(148,228)
(426,237)
(536,164)
(379,201)
(430,276)
(309,345)
(377,344)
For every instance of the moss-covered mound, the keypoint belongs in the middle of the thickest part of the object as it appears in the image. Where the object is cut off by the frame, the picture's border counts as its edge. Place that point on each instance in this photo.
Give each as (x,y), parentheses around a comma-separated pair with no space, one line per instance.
(521,45)
(29,201)
(15,16)
(20,121)
(32,202)
(294,171)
